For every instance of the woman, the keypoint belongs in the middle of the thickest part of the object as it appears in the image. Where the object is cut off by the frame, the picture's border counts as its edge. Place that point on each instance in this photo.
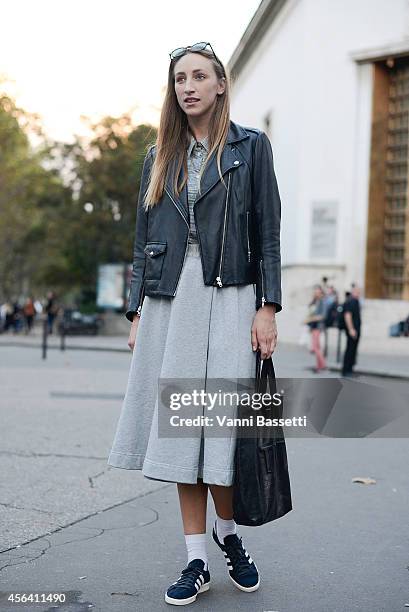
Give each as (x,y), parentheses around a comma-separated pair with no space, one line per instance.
(204,291)
(29,313)
(315,322)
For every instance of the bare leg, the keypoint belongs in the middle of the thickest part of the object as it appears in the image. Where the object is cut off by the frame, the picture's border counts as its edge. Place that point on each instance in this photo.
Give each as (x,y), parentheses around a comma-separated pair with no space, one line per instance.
(242,569)
(223,501)
(193,506)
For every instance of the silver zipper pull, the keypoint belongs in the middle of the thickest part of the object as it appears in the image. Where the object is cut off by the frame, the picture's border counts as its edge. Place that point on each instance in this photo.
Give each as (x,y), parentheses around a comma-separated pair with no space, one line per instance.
(139,309)
(218,278)
(263,299)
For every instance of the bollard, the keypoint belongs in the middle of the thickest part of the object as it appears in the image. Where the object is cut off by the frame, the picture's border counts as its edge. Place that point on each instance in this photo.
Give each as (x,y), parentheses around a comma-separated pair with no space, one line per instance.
(45,336)
(62,336)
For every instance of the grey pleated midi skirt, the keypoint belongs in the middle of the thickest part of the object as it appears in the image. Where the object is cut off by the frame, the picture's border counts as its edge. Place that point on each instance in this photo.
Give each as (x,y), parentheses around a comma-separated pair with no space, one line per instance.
(202,332)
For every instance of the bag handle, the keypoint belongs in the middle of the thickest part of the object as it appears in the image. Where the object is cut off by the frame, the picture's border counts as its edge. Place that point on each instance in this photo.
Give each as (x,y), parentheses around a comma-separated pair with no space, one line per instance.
(265,371)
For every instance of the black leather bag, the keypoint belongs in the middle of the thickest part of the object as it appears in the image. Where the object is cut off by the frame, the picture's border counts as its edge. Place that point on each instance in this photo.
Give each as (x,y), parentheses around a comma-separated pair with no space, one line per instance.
(261,488)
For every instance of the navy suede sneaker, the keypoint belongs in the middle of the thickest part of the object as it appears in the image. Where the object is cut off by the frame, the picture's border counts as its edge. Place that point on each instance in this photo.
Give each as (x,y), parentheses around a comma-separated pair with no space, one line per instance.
(194,579)
(242,569)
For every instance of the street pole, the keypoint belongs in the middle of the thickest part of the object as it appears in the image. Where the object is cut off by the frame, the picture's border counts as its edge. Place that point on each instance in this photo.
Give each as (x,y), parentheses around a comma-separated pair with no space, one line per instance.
(45,336)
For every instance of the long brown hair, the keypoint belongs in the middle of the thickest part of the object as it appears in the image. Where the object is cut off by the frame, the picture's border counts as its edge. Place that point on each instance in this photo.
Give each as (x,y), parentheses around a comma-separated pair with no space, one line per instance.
(174,135)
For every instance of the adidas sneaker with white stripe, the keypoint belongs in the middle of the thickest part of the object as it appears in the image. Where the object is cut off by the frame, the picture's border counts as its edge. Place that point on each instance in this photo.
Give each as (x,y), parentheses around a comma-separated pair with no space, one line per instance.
(193,580)
(242,569)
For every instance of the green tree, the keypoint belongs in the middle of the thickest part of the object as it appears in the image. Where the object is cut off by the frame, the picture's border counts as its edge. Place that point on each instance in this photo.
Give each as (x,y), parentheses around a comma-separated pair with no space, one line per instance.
(25,188)
(105,173)
(66,208)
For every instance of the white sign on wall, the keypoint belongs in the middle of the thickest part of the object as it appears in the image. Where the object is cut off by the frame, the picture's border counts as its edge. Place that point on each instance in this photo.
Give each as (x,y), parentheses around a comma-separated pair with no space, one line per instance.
(323,242)
(110,287)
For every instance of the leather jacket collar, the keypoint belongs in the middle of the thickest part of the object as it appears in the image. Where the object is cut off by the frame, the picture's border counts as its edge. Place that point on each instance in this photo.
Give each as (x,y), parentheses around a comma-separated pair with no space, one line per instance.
(210,175)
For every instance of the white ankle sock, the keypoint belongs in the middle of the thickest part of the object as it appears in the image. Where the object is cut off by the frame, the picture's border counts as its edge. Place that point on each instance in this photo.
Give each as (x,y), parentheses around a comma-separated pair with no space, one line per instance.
(225,527)
(196,547)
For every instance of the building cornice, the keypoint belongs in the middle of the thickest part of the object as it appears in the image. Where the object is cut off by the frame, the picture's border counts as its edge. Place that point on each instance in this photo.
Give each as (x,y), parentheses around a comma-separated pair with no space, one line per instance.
(258,26)
(376,54)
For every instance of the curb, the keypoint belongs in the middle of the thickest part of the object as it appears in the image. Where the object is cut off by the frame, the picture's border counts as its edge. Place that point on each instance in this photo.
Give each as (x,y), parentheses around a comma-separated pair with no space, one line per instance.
(76,347)
(378,373)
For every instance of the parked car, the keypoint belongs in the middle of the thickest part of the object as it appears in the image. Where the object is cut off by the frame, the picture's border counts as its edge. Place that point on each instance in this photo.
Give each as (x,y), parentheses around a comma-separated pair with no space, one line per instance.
(74,322)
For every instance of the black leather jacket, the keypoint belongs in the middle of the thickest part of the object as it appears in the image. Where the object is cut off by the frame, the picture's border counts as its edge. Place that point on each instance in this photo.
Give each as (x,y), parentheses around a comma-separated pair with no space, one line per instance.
(238,227)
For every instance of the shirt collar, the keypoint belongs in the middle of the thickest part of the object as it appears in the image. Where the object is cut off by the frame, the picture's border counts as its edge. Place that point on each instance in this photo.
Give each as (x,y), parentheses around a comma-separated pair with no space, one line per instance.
(204,142)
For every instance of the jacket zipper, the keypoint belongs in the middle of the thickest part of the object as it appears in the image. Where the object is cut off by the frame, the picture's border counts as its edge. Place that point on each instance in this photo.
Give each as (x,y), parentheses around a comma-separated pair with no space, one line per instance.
(138,310)
(187,239)
(218,278)
(248,241)
(263,299)
(177,207)
(177,282)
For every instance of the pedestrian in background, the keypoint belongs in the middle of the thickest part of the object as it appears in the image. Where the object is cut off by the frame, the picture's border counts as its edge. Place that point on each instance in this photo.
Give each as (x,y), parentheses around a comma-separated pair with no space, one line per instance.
(7,311)
(51,310)
(29,313)
(330,304)
(352,324)
(315,321)
(17,317)
(330,314)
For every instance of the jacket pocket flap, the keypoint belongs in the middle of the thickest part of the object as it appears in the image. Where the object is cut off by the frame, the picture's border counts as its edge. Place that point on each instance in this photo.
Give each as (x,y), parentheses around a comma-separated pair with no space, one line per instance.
(155,248)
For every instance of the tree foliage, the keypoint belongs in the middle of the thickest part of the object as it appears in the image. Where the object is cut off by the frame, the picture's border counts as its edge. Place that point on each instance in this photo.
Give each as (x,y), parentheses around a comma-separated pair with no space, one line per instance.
(48,240)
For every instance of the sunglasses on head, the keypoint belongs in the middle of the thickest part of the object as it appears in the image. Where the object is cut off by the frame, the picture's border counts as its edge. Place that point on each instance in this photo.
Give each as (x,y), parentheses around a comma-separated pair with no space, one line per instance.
(200,46)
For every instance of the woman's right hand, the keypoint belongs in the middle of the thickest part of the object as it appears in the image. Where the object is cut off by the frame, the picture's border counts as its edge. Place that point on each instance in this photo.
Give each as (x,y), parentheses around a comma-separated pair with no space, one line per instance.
(132,333)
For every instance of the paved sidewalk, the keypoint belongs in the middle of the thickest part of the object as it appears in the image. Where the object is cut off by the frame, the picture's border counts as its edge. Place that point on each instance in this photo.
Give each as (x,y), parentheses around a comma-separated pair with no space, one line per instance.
(369,364)
(112,539)
(341,548)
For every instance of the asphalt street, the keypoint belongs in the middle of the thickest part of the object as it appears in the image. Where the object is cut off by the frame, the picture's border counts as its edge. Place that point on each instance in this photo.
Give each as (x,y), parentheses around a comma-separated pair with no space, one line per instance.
(111,540)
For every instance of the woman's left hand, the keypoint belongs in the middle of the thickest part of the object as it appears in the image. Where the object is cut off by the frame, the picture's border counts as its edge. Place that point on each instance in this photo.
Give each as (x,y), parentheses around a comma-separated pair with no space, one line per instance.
(264,331)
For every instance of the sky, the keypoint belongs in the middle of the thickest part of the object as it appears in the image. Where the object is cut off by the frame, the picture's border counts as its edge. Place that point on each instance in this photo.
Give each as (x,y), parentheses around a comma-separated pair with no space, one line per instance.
(99,57)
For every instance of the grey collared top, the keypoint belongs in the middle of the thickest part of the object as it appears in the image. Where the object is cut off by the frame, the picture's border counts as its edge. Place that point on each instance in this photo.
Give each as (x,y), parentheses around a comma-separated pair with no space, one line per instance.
(196,154)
